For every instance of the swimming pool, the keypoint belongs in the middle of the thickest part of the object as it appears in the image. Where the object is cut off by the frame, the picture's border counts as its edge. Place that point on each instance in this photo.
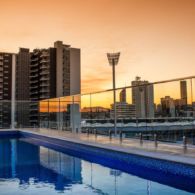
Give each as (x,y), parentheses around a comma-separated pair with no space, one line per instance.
(29,167)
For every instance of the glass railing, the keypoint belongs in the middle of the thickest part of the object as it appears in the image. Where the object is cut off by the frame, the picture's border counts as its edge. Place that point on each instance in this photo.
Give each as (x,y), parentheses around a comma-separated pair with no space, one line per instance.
(162,110)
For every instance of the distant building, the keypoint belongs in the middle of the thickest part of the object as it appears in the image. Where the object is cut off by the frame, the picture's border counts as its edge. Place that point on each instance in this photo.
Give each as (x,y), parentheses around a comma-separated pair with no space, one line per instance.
(96,112)
(122,95)
(183,92)
(193,106)
(179,107)
(123,110)
(143,98)
(158,110)
(168,106)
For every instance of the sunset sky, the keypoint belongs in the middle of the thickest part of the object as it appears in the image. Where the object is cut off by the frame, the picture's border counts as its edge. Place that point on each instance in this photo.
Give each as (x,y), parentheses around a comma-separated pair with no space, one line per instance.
(156,38)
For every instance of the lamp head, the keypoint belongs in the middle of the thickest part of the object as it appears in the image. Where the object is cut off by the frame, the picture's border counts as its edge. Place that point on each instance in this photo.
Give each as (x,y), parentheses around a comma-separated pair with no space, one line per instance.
(113,58)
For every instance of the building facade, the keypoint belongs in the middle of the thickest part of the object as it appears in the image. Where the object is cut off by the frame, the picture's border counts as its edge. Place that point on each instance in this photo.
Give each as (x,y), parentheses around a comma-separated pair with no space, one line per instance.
(168,106)
(6,60)
(67,69)
(143,98)
(122,95)
(123,110)
(22,87)
(183,92)
(40,74)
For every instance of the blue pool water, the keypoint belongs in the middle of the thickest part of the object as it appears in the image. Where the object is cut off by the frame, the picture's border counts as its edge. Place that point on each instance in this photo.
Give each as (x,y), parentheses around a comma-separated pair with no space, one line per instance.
(27,168)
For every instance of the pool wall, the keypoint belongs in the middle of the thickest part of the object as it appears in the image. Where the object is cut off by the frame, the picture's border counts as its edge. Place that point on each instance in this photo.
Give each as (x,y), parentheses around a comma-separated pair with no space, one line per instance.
(169,173)
(103,155)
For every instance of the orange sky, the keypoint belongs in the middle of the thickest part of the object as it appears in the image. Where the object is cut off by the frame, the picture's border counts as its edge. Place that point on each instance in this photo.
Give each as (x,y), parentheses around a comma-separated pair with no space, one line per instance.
(156,38)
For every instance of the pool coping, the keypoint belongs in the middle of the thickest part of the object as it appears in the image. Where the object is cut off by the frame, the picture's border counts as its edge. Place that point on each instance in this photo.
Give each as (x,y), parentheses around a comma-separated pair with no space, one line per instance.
(149,154)
(132,151)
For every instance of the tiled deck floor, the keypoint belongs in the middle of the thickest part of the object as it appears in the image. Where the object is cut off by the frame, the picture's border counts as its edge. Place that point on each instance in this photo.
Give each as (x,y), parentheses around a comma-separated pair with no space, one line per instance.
(169,151)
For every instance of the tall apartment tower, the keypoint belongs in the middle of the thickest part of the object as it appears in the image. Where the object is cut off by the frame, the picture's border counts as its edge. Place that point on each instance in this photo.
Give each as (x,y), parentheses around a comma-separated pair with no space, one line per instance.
(143,98)
(54,72)
(122,95)
(168,106)
(40,74)
(183,92)
(22,87)
(42,79)
(6,61)
(67,69)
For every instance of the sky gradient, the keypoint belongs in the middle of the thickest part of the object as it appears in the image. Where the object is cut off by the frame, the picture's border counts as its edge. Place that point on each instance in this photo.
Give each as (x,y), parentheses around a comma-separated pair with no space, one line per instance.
(156,38)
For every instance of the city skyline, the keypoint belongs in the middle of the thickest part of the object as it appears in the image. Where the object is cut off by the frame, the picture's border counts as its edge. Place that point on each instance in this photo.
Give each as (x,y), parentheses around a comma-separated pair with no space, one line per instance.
(138,101)
(153,45)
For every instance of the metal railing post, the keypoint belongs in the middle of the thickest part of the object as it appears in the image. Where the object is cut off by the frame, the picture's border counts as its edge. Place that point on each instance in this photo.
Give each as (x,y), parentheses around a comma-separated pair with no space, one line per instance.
(88,132)
(110,134)
(155,140)
(95,132)
(121,136)
(141,138)
(185,142)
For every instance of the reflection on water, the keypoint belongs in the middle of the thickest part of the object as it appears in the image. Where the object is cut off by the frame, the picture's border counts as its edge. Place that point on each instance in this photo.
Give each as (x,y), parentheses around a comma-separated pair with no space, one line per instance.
(29,169)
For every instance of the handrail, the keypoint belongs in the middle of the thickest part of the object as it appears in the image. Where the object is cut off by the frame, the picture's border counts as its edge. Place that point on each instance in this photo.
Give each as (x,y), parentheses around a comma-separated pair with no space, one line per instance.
(130,86)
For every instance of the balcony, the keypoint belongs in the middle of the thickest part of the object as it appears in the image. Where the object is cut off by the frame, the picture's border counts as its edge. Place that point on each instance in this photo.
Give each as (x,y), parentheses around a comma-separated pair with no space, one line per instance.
(44,54)
(44,90)
(44,67)
(34,65)
(44,96)
(43,84)
(43,61)
(34,81)
(34,92)
(36,52)
(44,73)
(33,87)
(44,78)
(34,76)
(34,70)
(34,108)
(34,59)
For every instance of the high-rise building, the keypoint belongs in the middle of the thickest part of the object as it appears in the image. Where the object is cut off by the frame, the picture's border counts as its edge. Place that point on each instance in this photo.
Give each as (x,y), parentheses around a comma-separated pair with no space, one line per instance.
(6,60)
(193,106)
(183,92)
(67,69)
(40,74)
(122,95)
(168,106)
(143,98)
(54,72)
(22,87)
(96,112)
(123,110)
(42,80)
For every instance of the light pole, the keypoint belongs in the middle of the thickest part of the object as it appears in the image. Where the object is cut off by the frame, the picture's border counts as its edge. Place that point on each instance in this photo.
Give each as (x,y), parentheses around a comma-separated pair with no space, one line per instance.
(113,59)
